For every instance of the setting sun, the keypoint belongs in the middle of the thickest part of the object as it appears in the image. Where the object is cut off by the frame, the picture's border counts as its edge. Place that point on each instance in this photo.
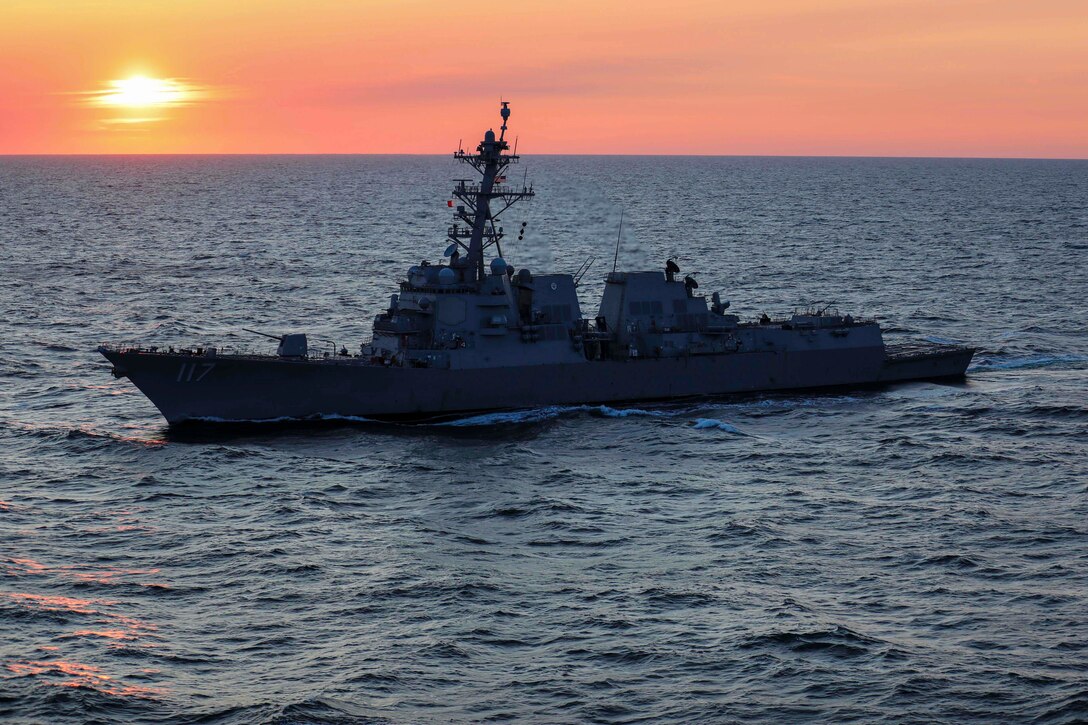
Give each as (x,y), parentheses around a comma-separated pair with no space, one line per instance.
(143,92)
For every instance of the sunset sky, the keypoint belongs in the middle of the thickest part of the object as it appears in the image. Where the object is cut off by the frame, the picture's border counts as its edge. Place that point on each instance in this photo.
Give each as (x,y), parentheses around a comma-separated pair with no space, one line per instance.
(808,77)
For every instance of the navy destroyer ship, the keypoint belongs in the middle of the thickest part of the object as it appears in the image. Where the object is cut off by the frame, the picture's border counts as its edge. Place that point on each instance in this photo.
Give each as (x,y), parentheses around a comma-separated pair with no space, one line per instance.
(473,334)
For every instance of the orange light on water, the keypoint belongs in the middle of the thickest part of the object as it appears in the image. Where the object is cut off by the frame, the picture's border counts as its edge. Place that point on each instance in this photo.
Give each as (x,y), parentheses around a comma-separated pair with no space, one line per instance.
(19,567)
(80,675)
(90,574)
(104,633)
(52,603)
(63,667)
(109,575)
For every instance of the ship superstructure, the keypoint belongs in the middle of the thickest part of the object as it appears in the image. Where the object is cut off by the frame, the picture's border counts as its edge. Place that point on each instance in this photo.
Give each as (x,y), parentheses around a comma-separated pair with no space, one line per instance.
(472,333)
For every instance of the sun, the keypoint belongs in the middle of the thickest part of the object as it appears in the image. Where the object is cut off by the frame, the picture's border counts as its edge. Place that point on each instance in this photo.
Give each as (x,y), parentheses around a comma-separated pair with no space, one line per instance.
(143,92)
(141,99)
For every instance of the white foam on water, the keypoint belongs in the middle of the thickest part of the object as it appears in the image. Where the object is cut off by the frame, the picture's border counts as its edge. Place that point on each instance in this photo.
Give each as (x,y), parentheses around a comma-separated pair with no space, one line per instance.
(283,419)
(782,400)
(536,415)
(628,412)
(1022,363)
(509,417)
(352,418)
(551,412)
(512,417)
(715,424)
(217,419)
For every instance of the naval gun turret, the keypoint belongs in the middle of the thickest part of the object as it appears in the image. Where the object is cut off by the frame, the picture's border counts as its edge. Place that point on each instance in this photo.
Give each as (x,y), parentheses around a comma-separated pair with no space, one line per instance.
(292,345)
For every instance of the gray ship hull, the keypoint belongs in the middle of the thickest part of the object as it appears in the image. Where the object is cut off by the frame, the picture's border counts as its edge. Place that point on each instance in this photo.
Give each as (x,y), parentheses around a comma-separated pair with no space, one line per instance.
(468,335)
(190,388)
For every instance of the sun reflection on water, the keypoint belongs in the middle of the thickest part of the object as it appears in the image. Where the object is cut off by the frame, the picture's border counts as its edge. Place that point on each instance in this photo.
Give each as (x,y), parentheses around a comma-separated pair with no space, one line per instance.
(66,673)
(98,622)
(55,603)
(87,574)
(146,435)
(104,633)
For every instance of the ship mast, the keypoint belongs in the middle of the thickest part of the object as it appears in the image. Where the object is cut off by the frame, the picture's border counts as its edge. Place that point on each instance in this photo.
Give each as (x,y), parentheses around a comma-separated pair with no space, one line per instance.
(482,204)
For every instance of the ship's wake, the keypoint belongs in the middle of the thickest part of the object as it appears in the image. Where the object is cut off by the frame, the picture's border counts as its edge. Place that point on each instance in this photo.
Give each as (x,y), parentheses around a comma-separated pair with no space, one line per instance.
(552,412)
(986,364)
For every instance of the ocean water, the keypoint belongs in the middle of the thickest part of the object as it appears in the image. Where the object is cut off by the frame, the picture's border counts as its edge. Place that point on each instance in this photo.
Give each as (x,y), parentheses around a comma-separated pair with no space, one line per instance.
(915,553)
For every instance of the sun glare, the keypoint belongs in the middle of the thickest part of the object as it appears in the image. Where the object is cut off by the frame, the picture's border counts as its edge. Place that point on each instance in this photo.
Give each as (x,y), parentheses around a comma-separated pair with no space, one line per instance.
(144,92)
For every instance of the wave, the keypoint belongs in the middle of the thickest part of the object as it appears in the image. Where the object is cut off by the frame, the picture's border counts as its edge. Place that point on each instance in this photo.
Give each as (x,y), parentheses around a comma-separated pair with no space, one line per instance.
(330,417)
(627,412)
(55,346)
(517,417)
(941,340)
(714,423)
(76,433)
(512,417)
(836,641)
(534,506)
(537,415)
(529,416)
(1027,362)
(787,401)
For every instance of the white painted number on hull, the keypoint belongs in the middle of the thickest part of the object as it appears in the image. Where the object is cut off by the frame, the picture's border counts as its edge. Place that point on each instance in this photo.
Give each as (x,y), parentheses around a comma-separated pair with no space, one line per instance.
(194,372)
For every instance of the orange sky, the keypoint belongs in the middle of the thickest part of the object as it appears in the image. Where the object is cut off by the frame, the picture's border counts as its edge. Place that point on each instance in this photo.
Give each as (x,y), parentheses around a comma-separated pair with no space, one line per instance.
(840,77)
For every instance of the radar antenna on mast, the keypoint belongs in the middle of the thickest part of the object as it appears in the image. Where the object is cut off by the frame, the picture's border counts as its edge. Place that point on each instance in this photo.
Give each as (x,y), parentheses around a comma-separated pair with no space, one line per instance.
(483,203)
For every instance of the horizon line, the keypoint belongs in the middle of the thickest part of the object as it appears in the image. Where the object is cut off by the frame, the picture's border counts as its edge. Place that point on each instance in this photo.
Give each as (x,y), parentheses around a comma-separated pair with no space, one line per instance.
(635,155)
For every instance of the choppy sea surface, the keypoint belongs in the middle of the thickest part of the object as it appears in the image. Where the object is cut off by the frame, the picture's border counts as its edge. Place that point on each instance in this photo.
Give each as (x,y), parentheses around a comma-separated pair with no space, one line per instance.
(915,553)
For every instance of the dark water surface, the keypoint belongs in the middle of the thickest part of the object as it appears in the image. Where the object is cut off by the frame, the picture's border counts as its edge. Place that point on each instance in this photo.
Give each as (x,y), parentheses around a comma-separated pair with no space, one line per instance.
(918,553)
